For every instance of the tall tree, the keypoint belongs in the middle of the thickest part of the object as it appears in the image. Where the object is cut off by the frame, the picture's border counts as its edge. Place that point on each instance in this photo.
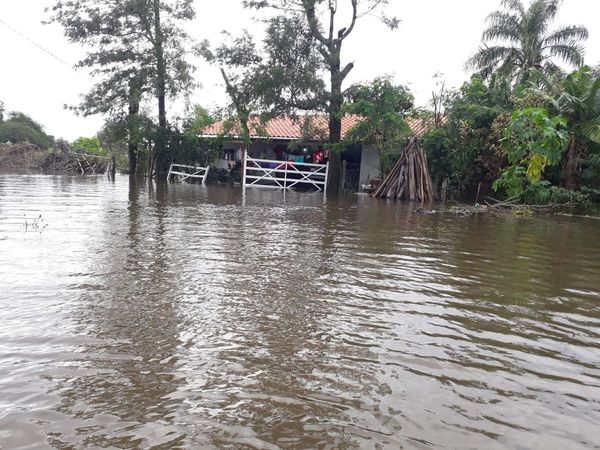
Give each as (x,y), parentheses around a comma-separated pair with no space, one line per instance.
(137,46)
(322,19)
(119,95)
(275,76)
(518,39)
(291,76)
(240,64)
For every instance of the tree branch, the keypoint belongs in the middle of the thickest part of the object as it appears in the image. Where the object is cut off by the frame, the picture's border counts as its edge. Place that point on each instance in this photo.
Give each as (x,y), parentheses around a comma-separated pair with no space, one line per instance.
(313,23)
(345,34)
(346,70)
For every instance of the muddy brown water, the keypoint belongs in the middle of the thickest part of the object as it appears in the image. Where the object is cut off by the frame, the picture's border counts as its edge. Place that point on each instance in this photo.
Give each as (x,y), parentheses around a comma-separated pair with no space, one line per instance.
(137,316)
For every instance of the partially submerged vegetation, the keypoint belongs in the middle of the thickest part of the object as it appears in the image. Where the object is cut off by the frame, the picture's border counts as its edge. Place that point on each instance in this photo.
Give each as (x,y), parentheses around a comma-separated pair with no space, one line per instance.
(24,145)
(521,127)
(535,143)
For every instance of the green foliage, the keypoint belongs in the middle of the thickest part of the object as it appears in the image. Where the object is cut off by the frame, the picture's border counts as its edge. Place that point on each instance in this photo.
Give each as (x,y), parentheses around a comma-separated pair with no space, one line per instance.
(278,75)
(198,120)
(512,180)
(18,117)
(21,128)
(384,107)
(517,136)
(591,172)
(478,103)
(16,132)
(380,99)
(533,141)
(532,132)
(544,193)
(579,101)
(464,150)
(513,122)
(138,48)
(438,143)
(185,144)
(90,146)
(577,98)
(113,135)
(126,38)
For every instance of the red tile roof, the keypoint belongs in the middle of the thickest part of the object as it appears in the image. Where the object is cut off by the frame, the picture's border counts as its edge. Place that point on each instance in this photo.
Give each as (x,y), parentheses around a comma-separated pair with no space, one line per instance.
(290,128)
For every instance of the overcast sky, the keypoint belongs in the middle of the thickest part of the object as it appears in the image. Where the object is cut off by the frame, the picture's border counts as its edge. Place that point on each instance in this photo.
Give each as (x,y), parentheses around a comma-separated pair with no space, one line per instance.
(435,35)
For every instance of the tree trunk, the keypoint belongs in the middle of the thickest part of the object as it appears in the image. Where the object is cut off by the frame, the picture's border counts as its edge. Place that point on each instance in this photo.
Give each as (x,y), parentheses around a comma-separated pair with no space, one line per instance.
(336,102)
(133,125)
(160,147)
(335,154)
(246,146)
(244,117)
(113,167)
(132,150)
(571,163)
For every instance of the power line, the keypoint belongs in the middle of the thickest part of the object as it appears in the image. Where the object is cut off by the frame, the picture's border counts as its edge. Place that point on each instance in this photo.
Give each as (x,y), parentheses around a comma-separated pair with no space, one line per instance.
(31,41)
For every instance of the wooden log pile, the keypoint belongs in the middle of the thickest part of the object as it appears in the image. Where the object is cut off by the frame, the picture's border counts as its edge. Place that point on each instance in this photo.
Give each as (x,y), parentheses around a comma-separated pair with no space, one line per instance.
(75,163)
(87,164)
(409,179)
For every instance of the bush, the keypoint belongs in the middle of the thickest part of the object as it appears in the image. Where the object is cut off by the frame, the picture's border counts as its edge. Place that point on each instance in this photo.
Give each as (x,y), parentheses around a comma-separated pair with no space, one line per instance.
(90,146)
(17,133)
(590,175)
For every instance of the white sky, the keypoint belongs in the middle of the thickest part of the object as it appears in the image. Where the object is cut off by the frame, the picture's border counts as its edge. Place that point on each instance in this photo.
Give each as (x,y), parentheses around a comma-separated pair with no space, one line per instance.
(435,35)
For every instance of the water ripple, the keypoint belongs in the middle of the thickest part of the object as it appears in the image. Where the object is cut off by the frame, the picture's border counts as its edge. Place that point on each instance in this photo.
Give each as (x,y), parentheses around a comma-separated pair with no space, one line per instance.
(181,316)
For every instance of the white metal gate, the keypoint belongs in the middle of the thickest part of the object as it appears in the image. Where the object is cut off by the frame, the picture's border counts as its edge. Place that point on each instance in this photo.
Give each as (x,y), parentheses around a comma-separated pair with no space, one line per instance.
(183,172)
(269,173)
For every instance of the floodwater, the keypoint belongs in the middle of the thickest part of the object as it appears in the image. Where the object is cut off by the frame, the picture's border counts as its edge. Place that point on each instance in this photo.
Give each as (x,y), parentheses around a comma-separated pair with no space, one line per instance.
(179,316)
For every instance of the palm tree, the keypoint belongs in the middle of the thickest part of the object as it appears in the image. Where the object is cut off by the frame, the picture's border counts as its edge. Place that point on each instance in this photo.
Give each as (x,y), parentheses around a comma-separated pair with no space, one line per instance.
(579,101)
(517,40)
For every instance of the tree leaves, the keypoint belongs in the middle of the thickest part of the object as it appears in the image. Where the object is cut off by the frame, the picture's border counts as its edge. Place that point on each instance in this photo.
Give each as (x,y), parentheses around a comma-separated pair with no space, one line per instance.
(384,107)
(533,141)
(122,38)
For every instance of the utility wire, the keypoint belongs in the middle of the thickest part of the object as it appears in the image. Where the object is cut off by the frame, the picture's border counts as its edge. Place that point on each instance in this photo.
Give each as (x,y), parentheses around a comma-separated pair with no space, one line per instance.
(31,41)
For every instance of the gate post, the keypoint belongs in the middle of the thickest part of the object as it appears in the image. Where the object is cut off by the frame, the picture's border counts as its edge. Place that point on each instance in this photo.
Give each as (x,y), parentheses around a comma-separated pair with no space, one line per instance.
(244,165)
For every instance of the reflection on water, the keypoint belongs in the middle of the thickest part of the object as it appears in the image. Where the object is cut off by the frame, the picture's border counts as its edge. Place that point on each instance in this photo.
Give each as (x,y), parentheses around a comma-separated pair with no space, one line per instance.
(184,316)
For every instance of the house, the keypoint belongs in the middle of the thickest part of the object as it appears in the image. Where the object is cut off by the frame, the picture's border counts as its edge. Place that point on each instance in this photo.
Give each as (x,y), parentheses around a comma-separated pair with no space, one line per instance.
(300,142)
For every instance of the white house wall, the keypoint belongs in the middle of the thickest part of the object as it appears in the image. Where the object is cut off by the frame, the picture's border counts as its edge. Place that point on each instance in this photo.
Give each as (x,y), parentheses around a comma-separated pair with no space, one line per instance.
(370,166)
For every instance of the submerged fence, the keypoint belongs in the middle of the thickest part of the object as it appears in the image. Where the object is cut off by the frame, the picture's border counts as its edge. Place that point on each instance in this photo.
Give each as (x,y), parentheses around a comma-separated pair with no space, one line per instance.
(268,173)
(182,172)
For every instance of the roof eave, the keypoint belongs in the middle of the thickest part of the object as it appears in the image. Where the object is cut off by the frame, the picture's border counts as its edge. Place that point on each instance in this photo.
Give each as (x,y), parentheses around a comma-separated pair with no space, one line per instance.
(262,138)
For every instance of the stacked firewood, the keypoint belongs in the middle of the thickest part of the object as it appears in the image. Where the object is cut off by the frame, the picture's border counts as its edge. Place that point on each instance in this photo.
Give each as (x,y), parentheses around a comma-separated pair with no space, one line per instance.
(409,179)
(85,164)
